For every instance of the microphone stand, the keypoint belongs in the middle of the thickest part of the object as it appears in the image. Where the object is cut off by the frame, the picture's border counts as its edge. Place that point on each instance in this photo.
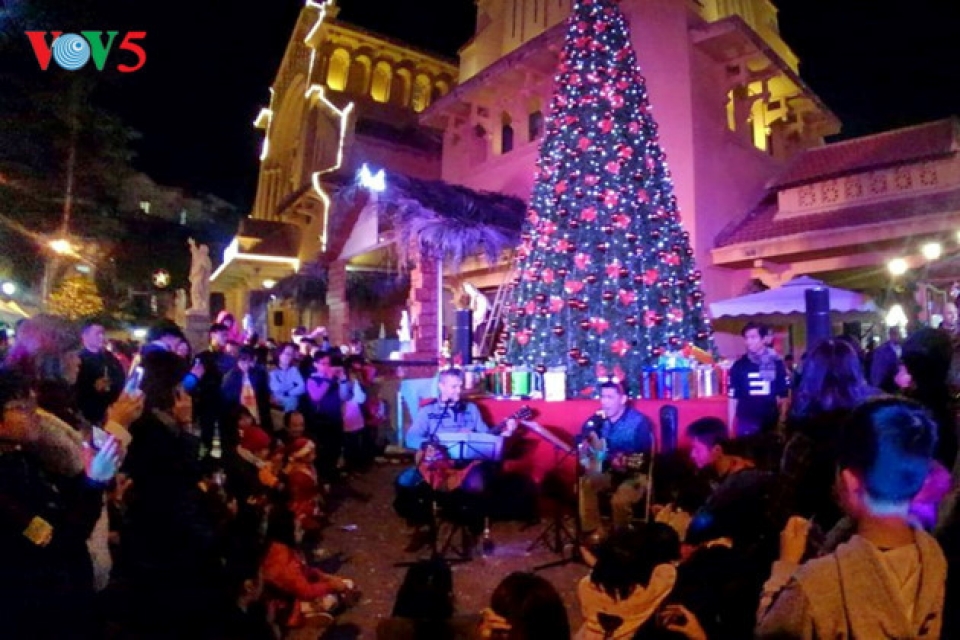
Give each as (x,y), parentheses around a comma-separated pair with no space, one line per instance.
(434,524)
(576,555)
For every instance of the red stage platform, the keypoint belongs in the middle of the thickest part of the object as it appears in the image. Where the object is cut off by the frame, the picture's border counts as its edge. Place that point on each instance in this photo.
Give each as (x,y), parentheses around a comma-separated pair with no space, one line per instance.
(534,455)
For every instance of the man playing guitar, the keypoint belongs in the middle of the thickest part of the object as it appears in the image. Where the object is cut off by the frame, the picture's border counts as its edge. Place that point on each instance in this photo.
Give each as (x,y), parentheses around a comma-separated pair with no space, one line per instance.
(415,491)
(612,440)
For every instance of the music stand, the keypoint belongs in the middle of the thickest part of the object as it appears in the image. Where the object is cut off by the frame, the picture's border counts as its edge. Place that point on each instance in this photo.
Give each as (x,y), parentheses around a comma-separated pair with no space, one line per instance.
(473,446)
(558,528)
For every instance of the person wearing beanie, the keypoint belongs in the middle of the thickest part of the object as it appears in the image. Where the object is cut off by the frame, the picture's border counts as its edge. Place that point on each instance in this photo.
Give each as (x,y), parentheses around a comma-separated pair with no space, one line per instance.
(303,484)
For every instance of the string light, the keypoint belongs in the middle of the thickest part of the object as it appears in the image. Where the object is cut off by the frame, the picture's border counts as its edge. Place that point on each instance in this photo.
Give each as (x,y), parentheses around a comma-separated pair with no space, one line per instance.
(603,233)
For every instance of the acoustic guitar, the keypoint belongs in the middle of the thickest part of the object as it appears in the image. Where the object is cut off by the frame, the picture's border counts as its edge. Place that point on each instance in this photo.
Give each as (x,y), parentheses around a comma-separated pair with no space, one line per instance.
(440,470)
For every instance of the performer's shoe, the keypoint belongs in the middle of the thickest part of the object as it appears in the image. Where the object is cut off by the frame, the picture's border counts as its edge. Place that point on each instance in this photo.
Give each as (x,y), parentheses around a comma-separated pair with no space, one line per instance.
(421,538)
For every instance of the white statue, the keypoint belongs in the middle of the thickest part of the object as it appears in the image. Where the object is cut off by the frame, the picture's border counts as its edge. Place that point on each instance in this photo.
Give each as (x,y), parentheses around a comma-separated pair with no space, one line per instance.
(180,308)
(200,269)
(479,305)
(404,331)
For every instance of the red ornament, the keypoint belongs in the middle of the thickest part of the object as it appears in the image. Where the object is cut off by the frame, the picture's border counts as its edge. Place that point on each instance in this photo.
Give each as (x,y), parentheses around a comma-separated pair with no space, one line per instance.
(599,324)
(540,297)
(649,319)
(530,307)
(562,272)
(672,259)
(574,353)
(613,269)
(675,315)
(584,143)
(608,296)
(581,261)
(591,180)
(650,277)
(523,337)
(562,245)
(584,324)
(603,246)
(631,321)
(626,297)
(591,279)
(573,286)
(613,167)
(556,304)
(588,214)
(620,347)
(558,330)
(547,276)
(611,198)
(620,221)
(560,187)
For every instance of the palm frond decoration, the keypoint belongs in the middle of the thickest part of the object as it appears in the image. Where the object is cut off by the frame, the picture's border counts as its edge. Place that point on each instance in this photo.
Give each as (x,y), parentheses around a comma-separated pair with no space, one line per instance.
(446,221)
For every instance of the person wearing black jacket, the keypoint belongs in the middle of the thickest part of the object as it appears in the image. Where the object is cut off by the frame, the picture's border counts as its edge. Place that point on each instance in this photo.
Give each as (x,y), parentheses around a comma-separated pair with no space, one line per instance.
(171,555)
(246,385)
(216,363)
(46,576)
(101,375)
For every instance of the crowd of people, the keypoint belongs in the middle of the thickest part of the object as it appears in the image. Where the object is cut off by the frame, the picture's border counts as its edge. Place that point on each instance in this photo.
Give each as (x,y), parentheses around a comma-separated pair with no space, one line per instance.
(173,495)
(181,495)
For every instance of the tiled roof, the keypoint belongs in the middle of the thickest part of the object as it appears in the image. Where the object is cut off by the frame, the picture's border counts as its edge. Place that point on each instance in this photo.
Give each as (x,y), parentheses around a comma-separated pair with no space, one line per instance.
(910,144)
(760,224)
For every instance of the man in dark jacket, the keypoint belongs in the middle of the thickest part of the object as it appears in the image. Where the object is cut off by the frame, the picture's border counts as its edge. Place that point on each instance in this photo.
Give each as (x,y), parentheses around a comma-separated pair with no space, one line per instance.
(101,376)
(247,385)
(885,362)
(216,364)
(46,576)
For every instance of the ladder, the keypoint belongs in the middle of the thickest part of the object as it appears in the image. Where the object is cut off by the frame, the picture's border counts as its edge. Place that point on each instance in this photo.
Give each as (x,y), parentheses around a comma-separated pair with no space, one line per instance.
(495,322)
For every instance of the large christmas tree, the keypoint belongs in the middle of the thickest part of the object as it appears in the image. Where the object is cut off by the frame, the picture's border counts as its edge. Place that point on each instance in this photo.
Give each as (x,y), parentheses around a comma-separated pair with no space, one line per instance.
(606,277)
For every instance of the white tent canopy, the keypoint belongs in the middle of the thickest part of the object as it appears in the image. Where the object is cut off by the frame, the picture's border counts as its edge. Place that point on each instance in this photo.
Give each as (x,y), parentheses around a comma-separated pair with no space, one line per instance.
(789,299)
(11,312)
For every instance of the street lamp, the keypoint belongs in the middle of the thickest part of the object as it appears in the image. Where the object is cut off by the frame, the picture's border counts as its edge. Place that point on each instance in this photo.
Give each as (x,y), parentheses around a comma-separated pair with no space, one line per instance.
(61,247)
(931,250)
(898,266)
(8,288)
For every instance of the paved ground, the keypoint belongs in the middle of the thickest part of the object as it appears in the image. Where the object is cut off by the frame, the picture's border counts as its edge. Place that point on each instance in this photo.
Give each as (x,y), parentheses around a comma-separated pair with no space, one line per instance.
(368,554)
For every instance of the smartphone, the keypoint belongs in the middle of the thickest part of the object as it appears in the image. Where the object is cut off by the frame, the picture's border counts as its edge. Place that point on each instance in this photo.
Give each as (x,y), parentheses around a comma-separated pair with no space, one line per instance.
(132,387)
(99,438)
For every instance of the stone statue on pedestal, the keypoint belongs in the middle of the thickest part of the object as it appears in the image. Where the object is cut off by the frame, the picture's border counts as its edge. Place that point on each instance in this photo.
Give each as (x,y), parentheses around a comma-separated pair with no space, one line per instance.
(200,269)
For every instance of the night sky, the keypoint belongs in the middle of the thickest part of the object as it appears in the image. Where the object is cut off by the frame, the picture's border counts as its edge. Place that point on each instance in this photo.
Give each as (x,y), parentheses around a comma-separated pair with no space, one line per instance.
(209,70)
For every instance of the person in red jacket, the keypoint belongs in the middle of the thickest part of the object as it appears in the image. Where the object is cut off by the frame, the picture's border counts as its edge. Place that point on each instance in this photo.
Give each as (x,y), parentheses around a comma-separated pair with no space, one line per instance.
(302,483)
(304,597)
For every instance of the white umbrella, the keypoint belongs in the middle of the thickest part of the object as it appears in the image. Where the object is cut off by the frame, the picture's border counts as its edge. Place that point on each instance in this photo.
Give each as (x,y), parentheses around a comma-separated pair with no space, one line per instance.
(789,299)
(11,312)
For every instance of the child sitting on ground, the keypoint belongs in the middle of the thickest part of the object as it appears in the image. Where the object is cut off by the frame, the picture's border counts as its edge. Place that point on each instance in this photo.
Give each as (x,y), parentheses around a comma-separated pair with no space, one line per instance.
(633,574)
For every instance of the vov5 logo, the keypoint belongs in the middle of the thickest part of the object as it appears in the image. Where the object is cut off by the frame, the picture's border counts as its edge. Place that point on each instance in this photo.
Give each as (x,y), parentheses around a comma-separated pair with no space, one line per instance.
(71,51)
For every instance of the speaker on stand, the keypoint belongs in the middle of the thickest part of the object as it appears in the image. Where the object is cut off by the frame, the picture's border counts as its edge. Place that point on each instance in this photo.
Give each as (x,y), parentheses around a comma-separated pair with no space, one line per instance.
(462,344)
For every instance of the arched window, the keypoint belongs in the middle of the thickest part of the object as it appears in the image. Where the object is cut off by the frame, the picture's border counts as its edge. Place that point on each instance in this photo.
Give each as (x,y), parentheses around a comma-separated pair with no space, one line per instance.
(506,133)
(382,76)
(338,69)
(400,88)
(440,89)
(535,125)
(421,93)
(359,78)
